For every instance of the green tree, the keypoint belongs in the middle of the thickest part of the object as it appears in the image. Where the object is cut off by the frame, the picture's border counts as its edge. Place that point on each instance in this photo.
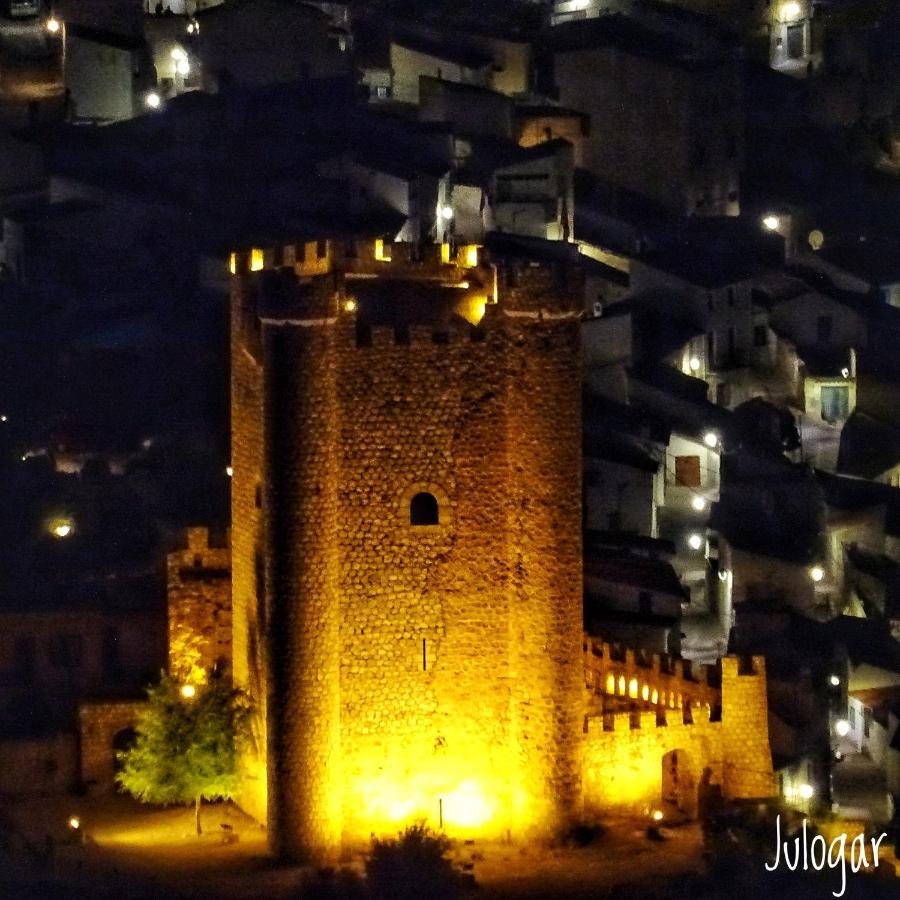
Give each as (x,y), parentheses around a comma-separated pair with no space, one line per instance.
(186,749)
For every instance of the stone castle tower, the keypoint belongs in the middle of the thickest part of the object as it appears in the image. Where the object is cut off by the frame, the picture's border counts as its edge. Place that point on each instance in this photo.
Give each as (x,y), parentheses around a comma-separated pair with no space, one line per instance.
(406,507)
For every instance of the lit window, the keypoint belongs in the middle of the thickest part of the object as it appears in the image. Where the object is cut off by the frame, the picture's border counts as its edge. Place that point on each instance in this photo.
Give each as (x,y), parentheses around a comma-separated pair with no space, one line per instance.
(633,688)
(610,684)
(382,253)
(232,263)
(423,510)
(256,260)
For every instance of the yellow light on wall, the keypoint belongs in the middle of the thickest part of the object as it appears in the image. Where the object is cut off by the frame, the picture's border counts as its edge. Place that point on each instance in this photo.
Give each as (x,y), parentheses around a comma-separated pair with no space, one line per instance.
(232,263)
(466,806)
(622,685)
(470,256)
(445,253)
(645,692)
(633,688)
(257,259)
(382,253)
(791,11)
(610,683)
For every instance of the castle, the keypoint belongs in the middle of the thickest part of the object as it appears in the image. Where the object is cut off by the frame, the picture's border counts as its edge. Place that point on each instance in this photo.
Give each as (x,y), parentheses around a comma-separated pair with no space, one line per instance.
(407,563)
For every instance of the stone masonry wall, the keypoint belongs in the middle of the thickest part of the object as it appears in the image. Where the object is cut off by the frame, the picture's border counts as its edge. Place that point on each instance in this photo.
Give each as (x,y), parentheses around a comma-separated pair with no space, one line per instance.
(199,600)
(421,672)
(99,723)
(248,602)
(745,730)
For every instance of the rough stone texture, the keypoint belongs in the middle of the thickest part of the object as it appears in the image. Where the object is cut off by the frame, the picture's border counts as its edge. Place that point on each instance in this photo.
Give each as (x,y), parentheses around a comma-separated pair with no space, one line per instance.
(628,753)
(430,672)
(745,730)
(434,672)
(99,723)
(199,598)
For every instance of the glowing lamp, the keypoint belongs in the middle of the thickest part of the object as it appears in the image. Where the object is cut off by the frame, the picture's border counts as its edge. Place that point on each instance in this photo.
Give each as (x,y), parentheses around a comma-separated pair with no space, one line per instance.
(845,372)
(771,222)
(791,11)
(178,54)
(842,728)
(53,25)
(183,67)
(694,364)
(711,440)
(74,823)
(806,791)
(723,575)
(153,100)
(257,260)
(447,212)
(188,691)
(4,418)
(61,527)
(657,815)
(834,681)
(817,573)
(698,503)
(229,471)
(349,306)
(695,541)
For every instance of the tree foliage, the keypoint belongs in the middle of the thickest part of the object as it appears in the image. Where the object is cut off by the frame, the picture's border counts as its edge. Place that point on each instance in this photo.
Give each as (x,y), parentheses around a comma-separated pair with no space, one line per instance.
(186,749)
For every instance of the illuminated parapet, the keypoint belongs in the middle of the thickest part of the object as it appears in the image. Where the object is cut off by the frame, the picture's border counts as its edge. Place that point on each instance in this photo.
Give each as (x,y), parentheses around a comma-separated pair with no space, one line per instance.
(617,672)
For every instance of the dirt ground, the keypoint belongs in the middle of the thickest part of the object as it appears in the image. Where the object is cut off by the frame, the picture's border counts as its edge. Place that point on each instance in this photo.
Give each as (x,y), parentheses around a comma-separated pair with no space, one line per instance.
(134,850)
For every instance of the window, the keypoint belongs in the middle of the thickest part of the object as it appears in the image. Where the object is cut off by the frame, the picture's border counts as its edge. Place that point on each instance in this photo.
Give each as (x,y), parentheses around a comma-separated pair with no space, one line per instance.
(382,92)
(760,336)
(65,651)
(835,402)
(423,510)
(24,655)
(687,470)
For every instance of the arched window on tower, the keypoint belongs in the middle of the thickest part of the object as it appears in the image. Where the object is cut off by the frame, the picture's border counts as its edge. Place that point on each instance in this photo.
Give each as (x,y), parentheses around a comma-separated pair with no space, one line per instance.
(423,510)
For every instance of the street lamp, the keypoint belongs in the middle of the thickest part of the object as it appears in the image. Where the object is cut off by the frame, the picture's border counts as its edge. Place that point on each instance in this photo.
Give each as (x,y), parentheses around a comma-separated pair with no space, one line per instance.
(695,541)
(771,222)
(806,791)
(842,728)
(698,503)
(711,440)
(694,364)
(152,100)
(188,691)
(817,573)
(835,681)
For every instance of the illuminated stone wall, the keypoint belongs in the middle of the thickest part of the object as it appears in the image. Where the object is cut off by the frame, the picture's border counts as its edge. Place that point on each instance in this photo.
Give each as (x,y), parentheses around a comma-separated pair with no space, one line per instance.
(98,723)
(421,672)
(199,604)
(745,729)
(247,557)
(676,713)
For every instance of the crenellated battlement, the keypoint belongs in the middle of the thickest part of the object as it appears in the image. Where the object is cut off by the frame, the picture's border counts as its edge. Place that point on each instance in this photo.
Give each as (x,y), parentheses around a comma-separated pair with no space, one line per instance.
(614,671)
(649,720)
